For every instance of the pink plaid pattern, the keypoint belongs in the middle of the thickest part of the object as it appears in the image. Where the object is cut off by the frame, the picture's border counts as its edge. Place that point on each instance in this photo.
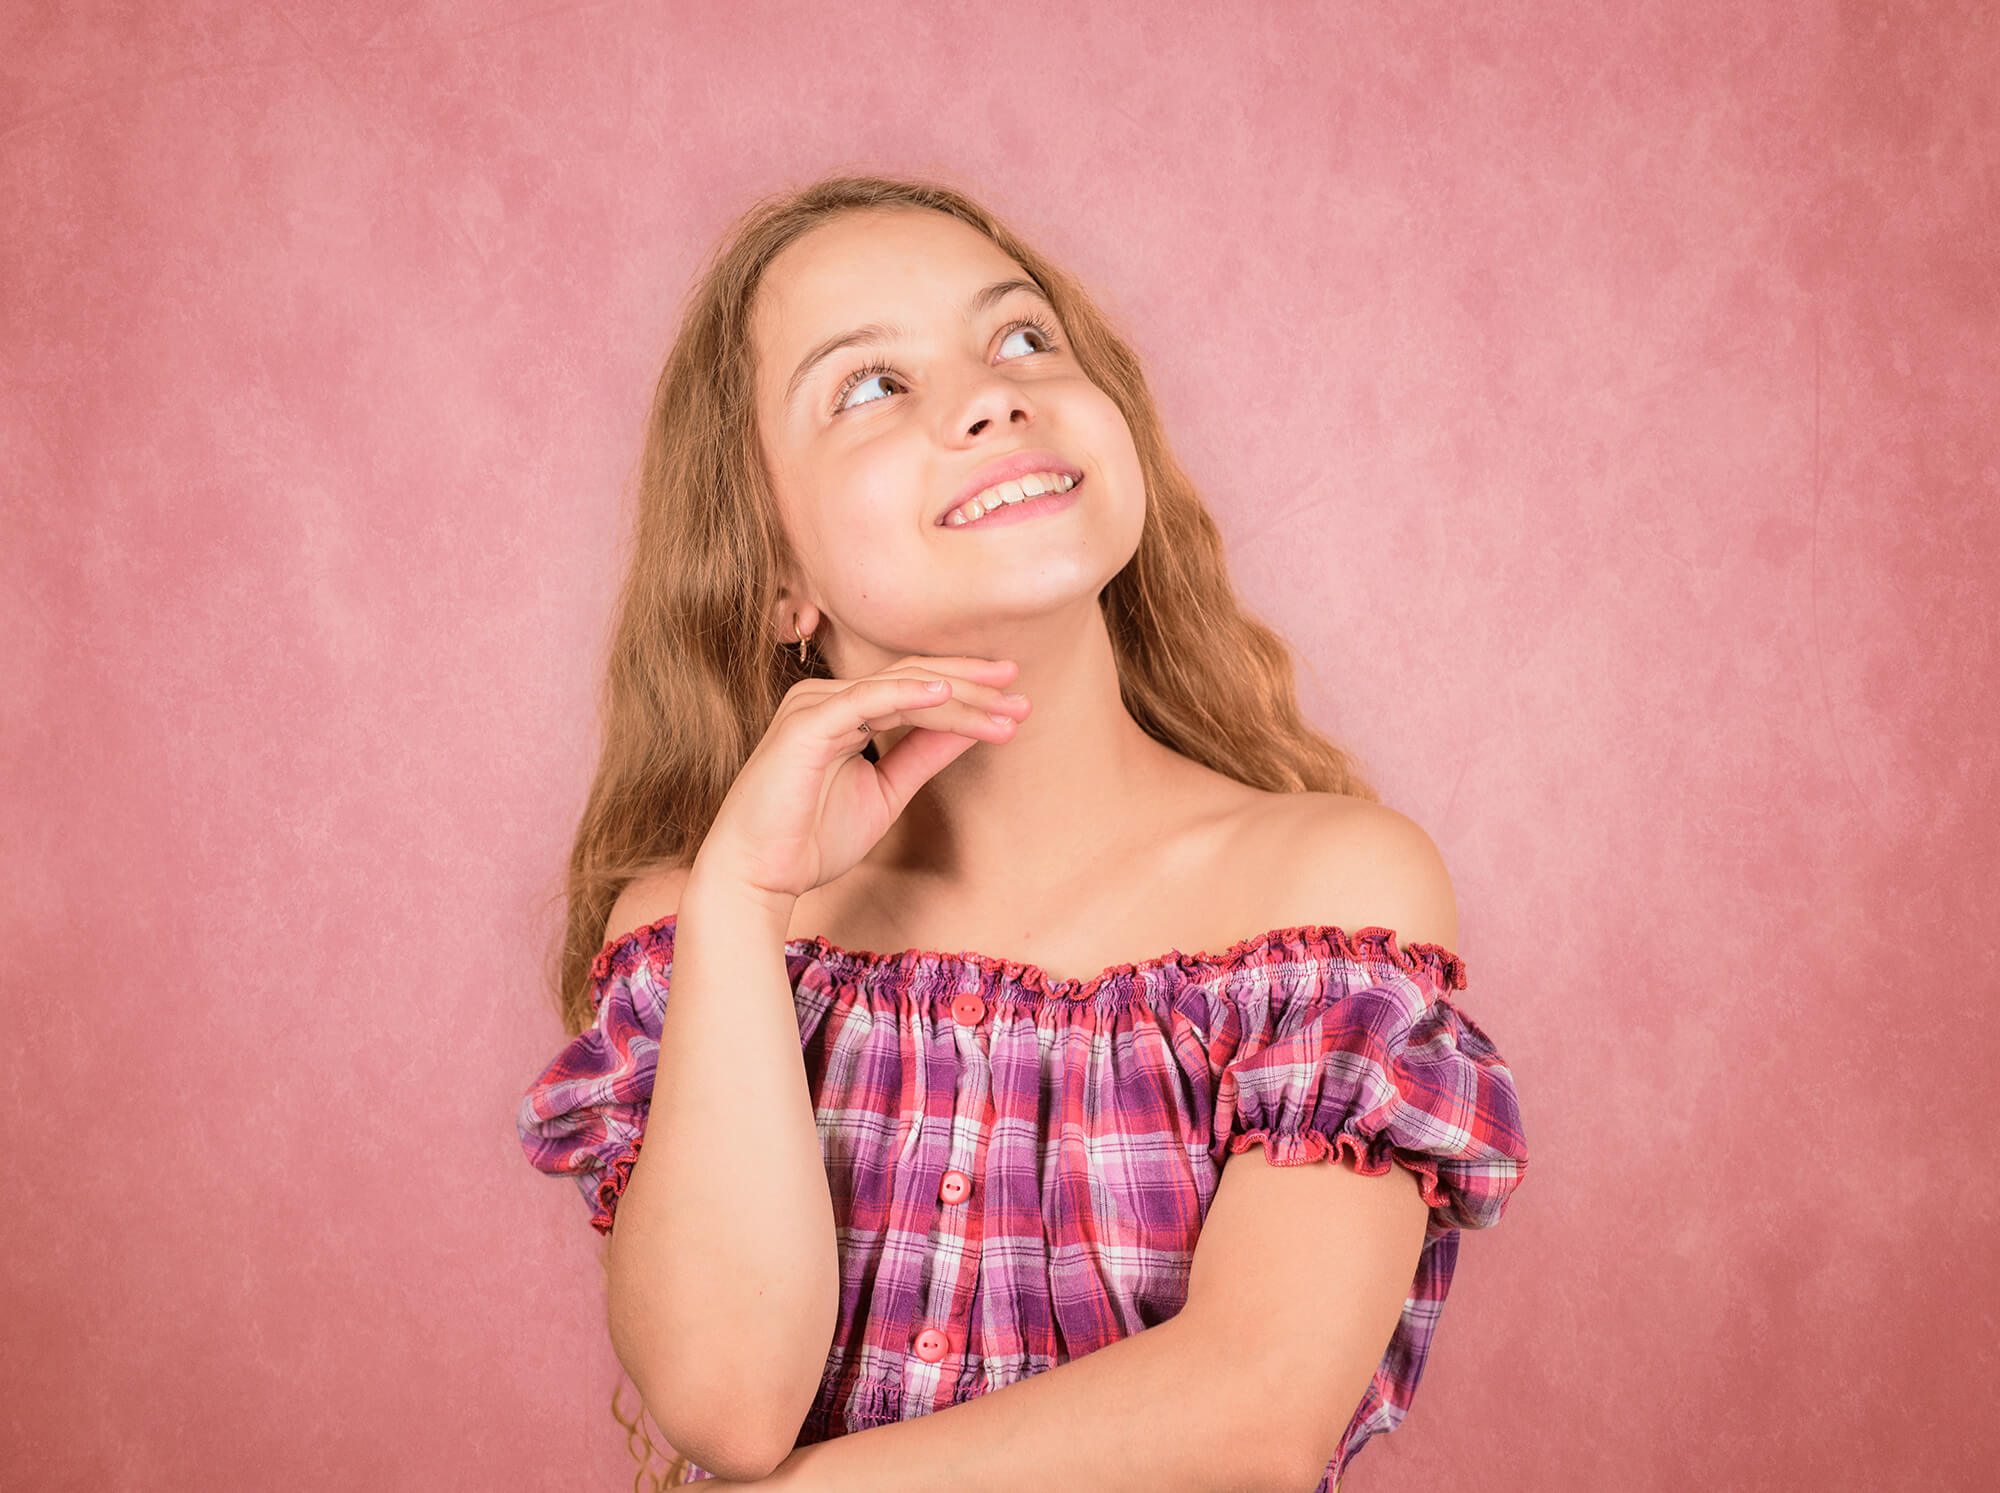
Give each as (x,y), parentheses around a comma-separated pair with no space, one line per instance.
(1020,1165)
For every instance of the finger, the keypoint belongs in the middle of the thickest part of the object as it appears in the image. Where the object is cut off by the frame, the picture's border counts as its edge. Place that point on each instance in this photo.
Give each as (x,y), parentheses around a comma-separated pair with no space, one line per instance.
(990,693)
(844,720)
(984,697)
(986,677)
(983,714)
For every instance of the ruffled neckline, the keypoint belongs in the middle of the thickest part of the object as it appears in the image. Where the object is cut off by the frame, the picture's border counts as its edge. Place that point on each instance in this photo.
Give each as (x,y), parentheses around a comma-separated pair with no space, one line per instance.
(1372,943)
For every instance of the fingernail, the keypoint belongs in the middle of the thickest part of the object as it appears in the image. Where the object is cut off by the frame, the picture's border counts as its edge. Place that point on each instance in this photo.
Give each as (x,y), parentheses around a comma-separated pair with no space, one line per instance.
(1005,720)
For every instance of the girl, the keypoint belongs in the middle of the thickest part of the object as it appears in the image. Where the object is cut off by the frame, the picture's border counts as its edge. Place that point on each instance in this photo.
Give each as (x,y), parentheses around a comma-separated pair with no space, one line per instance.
(927,645)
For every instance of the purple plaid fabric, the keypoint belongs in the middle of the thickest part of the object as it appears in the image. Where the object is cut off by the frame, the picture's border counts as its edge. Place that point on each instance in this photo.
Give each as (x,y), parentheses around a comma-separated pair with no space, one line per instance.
(1020,1165)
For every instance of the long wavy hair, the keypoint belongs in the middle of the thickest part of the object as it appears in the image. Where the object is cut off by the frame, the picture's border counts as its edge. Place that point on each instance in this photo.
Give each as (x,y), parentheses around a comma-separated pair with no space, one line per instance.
(696,667)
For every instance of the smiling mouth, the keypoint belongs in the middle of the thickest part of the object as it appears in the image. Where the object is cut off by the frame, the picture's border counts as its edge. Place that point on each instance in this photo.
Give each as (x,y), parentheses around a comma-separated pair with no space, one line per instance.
(1013,505)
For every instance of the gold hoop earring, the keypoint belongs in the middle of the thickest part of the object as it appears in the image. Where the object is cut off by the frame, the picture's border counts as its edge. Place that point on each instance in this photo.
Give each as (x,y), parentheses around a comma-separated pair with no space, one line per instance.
(802,640)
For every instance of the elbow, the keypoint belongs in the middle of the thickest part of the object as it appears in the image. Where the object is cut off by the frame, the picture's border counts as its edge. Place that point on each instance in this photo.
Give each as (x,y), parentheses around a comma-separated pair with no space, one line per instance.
(737,1417)
(1305,1473)
(729,1395)
(721,1436)
(1271,1457)
(1305,1432)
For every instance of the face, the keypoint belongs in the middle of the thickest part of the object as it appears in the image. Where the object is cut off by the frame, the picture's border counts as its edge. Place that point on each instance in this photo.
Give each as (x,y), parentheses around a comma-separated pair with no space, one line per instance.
(878,441)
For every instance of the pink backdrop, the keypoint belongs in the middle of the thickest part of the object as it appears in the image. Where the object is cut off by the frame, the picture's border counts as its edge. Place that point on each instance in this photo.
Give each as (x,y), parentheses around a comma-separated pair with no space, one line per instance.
(1601,397)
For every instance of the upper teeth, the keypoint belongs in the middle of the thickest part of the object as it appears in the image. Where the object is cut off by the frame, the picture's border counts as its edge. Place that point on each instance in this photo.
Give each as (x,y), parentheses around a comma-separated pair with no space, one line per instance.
(1032,486)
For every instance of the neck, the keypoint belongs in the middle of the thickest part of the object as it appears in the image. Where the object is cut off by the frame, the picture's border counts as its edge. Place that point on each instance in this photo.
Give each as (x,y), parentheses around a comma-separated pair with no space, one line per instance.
(1047,806)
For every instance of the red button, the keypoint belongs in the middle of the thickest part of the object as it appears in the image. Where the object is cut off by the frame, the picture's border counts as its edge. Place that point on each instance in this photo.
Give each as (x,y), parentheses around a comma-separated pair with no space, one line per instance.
(931,1345)
(956,1186)
(968,1009)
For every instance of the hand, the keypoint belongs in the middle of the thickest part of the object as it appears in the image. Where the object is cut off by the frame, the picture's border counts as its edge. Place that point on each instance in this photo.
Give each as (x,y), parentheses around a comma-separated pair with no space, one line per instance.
(807,806)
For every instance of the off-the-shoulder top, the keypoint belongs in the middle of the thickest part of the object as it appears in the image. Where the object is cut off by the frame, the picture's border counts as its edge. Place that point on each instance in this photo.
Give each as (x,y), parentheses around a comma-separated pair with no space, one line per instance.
(1020,1165)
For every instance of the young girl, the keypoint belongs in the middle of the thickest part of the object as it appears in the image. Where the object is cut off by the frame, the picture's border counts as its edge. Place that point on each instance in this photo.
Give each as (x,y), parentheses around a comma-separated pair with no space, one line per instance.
(927,645)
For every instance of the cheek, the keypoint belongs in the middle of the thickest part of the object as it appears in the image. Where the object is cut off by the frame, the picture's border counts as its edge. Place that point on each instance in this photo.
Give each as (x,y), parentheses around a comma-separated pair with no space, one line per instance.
(867,508)
(1116,457)
(870,555)
(886,602)
(1102,423)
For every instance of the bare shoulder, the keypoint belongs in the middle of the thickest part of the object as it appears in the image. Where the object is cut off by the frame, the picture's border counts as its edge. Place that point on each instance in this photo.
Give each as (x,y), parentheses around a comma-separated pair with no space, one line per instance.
(1355,864)
(647,898)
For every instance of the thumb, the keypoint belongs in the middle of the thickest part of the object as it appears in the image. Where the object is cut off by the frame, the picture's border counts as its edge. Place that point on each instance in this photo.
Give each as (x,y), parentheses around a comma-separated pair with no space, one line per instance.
(920,756)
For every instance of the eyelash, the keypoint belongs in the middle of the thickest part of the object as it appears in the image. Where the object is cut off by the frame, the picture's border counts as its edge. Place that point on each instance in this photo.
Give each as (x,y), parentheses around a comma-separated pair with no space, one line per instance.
(862,375)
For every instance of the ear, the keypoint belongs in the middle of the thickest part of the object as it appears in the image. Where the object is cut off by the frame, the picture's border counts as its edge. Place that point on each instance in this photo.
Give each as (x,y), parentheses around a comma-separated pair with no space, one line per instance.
(795,619)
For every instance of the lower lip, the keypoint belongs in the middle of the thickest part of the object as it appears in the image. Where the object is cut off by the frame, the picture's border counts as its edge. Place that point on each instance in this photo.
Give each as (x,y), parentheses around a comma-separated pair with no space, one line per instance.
(1021,512)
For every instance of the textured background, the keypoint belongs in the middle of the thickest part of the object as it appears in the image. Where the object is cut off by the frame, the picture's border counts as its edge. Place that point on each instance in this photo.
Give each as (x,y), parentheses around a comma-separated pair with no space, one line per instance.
(1601,397)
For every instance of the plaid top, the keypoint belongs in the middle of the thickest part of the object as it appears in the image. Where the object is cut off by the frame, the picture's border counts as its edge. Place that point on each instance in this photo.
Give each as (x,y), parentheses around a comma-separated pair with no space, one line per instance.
(980,1244)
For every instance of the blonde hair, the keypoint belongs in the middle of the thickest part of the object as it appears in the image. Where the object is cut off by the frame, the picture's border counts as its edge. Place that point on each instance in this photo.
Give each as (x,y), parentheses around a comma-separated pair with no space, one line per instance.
(696,665)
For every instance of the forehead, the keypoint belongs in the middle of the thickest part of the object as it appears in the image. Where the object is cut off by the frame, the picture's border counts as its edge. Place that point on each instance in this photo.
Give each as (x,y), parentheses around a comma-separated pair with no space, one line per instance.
(903,266)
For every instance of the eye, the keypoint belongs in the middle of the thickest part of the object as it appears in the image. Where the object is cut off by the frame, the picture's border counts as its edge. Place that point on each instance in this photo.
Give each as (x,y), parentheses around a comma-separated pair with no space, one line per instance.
(1043,331)
(861,376)
(1039,327)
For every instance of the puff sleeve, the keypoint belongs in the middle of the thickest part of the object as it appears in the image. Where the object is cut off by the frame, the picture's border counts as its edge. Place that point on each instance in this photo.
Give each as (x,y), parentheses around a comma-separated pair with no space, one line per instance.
(584,1117)
(1358,1052)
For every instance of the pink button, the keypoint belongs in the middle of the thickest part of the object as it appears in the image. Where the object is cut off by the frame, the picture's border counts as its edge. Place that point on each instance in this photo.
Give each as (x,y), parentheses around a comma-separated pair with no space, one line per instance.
(956,1186)
(931,1345)
(968,1009)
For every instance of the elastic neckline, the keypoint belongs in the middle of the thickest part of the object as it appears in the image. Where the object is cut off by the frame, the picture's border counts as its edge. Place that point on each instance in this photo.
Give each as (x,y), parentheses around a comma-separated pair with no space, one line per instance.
(1364,944)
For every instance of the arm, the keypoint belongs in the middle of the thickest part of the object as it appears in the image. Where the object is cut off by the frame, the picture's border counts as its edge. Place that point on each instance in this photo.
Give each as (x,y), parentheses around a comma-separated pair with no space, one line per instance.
(1310,1265)
(1297,1282)
(1249,1389)
(1313,1263)
(723,1269)
(1176,1408)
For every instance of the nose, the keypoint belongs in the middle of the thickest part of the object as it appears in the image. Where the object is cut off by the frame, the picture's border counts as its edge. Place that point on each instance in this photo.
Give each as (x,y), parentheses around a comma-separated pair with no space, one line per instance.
(1009,407)
(994,398)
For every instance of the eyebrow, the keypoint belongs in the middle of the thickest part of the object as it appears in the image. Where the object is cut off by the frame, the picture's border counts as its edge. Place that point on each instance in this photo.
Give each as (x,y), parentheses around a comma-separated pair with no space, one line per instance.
(877,332)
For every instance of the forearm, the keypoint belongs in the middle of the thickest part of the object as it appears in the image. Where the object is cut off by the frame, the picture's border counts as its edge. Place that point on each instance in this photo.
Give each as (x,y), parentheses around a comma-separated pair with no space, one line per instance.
(724,1275)
(1165,1409)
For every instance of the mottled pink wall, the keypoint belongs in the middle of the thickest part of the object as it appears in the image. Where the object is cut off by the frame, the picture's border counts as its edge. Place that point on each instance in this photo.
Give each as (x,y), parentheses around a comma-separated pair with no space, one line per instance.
(1602,398)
